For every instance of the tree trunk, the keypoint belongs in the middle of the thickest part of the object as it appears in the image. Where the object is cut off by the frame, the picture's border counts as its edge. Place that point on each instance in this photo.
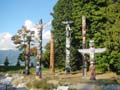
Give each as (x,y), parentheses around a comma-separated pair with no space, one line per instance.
(27,72)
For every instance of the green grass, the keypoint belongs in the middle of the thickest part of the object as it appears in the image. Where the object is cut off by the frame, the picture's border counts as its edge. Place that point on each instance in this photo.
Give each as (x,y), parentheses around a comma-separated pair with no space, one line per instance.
(19,69)
(40,84)
(10,68)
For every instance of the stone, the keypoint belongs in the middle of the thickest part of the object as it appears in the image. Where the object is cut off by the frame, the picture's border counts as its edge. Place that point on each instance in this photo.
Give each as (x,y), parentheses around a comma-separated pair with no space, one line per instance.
(62,87)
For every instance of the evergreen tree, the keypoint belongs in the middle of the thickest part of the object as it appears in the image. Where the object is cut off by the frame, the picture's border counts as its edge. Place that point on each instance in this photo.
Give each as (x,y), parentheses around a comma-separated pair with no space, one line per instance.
(111,36)
(62,12)
(46,56)
(103,24)
(6,62)
(18,63)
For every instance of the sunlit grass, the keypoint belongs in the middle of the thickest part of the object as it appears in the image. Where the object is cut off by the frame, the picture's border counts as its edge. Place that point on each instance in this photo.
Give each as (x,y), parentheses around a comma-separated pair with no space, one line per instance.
(19,69)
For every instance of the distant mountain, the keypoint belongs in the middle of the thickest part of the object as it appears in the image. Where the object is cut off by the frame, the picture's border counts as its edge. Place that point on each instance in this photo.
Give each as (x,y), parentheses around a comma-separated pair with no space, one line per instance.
(11,54)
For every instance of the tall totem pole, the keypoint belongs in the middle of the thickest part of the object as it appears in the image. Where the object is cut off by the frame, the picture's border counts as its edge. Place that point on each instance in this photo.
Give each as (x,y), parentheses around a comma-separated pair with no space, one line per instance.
(40,28)
(39,49)
(68,36)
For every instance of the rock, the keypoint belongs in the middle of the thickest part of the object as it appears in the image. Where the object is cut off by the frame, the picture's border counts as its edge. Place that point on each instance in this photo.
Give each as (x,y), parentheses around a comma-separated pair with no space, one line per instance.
(21,85)
(7,81)
(62,87)
(82,86)
(18,81)
(111,87)
(7,87)
(6,75)
(2,77)
(12,82)
(22,88)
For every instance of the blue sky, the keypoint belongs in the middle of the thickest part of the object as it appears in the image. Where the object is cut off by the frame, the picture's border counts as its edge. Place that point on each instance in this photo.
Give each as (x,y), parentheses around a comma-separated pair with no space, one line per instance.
(16,13)
(13,13)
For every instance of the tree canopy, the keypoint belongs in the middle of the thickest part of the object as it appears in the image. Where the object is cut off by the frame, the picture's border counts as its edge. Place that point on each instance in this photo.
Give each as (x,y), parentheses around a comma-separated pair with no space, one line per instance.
(103,25)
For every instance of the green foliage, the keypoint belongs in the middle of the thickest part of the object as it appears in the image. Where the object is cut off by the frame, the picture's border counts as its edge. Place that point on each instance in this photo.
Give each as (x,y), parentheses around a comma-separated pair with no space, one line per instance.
(76,61)
(18,63)
(40,84)
(6,62)
(11,69)
(23,39)
(118,81)
(103,25)
(21,57)
(62,12)
(46,56)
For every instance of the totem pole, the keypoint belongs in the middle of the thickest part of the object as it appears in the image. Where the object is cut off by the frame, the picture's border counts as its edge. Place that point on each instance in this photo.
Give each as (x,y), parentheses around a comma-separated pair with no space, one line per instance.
(39,50)
(68,36)
(92,61)
(92,51)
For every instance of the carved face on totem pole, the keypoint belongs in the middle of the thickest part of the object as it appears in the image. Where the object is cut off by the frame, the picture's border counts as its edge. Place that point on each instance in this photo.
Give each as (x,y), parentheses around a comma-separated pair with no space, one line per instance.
(92,50)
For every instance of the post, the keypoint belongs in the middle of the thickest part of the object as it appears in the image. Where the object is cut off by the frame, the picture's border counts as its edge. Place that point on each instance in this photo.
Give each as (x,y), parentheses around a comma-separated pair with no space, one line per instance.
(92,61)
(39,49)
(84,45)
(27,58)
(52,54)
(68,35)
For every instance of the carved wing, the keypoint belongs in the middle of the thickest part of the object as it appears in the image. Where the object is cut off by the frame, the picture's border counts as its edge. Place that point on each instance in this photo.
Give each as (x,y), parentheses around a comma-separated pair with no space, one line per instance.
(84,50)
(100,50)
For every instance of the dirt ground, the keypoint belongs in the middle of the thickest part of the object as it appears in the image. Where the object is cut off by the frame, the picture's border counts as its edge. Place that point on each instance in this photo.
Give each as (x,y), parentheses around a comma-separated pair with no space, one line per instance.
(76,77)
(73,79)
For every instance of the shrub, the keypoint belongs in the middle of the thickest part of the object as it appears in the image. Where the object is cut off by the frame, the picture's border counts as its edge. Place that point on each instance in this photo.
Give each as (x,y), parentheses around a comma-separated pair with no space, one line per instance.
(40,84)
(118,81)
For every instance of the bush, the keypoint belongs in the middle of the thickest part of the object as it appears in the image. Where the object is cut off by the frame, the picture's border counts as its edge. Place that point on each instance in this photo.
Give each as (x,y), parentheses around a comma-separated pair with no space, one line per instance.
(118,81)
(40,84)
(118,69)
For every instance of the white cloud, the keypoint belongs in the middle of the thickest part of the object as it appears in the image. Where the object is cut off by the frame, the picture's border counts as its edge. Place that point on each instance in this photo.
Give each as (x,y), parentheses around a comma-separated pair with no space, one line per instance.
(6,42)
(31,26)
(46,35)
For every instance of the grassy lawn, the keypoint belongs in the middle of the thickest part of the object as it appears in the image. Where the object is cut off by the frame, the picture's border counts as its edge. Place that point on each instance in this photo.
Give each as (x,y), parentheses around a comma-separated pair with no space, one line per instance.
(18,69)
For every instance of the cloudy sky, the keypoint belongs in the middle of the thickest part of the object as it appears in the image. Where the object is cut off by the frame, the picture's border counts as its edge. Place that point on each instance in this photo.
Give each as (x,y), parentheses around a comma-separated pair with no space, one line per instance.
(16,13)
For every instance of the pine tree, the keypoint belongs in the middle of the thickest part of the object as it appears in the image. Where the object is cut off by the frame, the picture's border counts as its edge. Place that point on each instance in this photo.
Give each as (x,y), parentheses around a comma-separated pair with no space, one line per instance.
(18,63)
(103,18)
(6,62)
